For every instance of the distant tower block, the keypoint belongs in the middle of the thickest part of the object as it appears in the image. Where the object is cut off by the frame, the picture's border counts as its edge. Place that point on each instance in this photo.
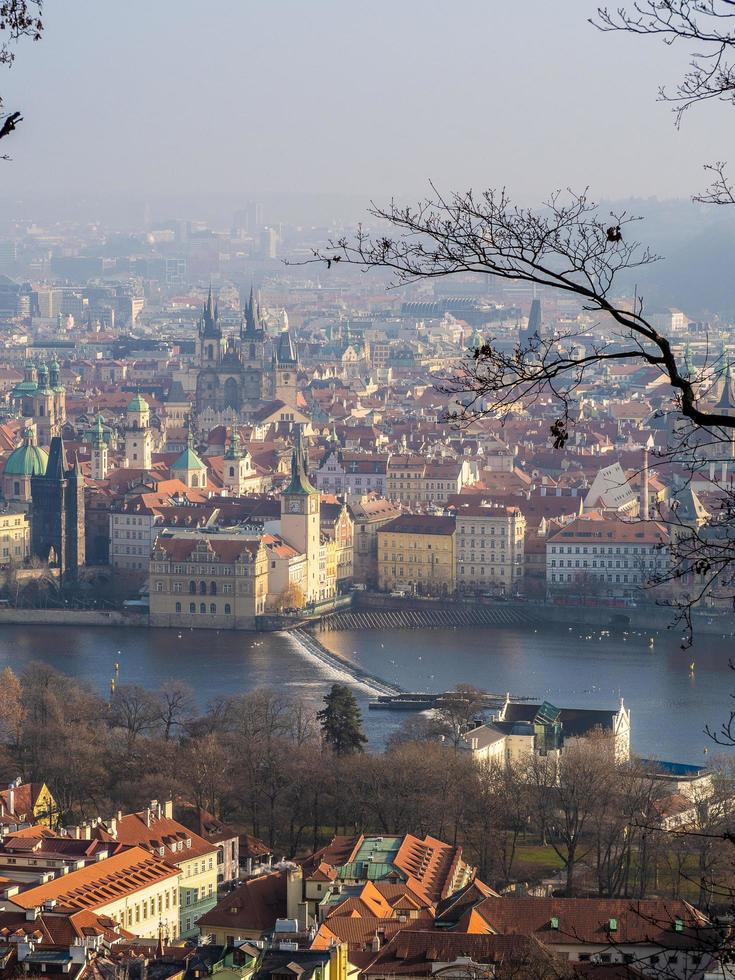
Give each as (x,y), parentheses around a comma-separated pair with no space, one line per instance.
(532,334)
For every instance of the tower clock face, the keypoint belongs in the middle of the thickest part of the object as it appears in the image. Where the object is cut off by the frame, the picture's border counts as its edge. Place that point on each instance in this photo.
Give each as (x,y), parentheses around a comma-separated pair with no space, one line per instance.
(294,505)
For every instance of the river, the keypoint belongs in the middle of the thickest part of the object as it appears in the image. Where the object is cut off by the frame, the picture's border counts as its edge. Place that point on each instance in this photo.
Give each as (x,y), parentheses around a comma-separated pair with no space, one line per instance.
(579,668)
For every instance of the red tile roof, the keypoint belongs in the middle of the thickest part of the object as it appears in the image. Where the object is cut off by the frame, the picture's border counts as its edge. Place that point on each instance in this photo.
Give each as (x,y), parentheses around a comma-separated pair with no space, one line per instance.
(100,883)
(253,907)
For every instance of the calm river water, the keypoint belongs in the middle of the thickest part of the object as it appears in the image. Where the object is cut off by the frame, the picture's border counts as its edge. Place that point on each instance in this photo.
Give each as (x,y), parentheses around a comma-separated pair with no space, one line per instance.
(670,704)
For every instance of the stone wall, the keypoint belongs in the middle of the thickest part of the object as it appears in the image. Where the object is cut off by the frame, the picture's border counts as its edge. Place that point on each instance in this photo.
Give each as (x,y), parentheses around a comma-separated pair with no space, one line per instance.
(71,617)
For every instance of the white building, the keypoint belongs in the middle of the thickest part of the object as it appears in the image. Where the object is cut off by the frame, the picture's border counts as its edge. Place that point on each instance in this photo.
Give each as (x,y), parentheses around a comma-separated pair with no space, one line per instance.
(610,556)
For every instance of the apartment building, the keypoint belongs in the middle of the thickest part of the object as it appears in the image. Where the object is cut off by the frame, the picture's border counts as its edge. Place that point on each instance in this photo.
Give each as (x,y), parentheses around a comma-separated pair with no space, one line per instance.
(195,859)
(416,555)
(415,480)
(609,556)
(138,890)
(369,515)
(15,537)
(341,471)
(489,546)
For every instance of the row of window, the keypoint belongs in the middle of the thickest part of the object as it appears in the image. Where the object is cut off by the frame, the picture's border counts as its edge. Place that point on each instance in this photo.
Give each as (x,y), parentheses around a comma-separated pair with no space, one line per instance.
(607,563)
(464,529)
(603,549)
(201,589)
(601,575)
(194,895)
(492,571)
(148,906)
(203,608)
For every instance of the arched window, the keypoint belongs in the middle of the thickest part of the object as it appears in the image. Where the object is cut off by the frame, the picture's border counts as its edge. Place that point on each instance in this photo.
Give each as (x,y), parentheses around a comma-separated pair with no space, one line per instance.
(227,609)
(192,607)
(232,393)
(203,608)
(213,588)
(178,607)
(159,586)
(210,351)
(16,488)
(232,472)
(192,588)
(213,608)
(202,588)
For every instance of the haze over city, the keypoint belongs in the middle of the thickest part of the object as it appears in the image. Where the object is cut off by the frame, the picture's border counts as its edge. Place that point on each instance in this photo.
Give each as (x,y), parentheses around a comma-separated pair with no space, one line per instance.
(178,98)
(367,581)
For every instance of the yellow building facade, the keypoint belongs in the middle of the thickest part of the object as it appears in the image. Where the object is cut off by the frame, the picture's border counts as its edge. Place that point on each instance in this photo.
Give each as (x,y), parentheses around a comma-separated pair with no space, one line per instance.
(416,555)
(208,580)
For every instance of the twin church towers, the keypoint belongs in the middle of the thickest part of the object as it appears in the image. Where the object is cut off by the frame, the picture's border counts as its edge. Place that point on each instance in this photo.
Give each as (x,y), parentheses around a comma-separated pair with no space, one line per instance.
(239,373)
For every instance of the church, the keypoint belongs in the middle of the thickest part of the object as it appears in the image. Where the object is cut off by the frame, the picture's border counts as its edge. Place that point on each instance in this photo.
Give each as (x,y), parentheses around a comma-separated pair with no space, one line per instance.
(235,375)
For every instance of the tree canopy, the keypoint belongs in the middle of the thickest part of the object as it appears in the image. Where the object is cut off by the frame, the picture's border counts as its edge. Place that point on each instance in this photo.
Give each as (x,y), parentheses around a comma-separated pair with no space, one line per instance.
(341,721)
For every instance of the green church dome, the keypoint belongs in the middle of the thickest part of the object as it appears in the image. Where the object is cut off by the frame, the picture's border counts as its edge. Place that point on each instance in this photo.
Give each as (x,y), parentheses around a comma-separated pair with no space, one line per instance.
(27,460)
(188,460)
(138,404)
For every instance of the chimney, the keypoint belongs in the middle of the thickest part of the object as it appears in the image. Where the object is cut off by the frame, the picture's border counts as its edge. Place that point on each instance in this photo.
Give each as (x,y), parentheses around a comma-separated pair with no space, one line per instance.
(11,798)
(147,816)
(168,809)
(644,487)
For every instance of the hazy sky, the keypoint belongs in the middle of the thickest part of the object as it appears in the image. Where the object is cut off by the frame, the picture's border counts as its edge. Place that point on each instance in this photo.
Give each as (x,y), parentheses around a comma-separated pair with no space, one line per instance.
(157,97)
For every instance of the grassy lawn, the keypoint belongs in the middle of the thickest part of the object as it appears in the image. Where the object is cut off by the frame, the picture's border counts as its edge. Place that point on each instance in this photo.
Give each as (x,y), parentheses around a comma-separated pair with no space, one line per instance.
(536,861)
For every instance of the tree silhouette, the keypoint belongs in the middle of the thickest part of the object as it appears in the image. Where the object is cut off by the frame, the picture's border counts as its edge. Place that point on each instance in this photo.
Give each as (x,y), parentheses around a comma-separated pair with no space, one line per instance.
(18,19)
(341,721)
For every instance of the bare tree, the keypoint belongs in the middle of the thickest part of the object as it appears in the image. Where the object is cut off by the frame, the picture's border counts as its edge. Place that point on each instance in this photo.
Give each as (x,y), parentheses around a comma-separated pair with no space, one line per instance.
(12,711)
(457,711)
(175,701)
(18,19)
(134,710)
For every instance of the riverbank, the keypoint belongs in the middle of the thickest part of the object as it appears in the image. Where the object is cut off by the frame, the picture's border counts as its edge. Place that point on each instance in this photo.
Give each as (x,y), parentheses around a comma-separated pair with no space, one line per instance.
(373,610)
(71,617)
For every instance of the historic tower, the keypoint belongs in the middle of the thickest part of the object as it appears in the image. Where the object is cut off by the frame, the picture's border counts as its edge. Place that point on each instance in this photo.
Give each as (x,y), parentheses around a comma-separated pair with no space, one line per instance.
(285,370)
(100,463)
(57,518)
(138,436)
(252,352)
(238,466)
(300,509)
(210,351)
(44,408)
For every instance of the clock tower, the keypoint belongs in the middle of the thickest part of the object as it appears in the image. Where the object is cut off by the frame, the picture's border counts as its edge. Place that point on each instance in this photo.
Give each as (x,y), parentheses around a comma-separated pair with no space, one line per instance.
(300,519)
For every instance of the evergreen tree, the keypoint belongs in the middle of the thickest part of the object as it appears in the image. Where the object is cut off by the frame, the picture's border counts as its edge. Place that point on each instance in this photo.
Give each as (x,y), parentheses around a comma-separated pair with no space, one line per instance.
(341,721)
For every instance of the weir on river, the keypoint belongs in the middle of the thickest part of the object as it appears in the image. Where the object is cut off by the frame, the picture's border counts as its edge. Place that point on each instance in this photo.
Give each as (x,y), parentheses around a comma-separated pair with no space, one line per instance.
(463,616)
(311,647)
